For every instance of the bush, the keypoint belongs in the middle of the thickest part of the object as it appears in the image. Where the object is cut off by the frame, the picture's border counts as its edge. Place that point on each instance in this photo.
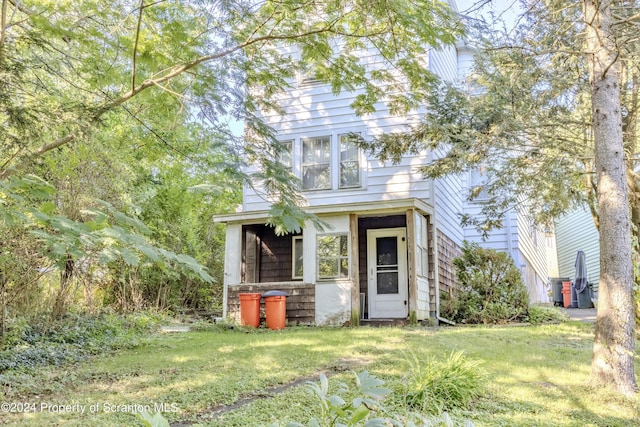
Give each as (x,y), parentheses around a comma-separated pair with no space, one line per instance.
(491,288)
(435,386)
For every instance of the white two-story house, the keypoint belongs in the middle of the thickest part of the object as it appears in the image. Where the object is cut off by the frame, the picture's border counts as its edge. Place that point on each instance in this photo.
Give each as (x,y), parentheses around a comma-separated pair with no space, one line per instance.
(392,235)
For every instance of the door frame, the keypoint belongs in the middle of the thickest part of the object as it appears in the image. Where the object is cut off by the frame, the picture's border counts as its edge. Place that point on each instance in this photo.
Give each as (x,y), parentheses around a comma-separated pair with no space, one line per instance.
(400,300)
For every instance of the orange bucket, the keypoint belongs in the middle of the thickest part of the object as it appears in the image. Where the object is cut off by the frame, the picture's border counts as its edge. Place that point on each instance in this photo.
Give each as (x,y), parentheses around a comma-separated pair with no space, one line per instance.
(566,294)
(276,311)
(250,310)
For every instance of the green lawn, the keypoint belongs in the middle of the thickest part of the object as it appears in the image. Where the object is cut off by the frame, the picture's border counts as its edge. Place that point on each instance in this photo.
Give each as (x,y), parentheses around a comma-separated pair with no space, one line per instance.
(536,376)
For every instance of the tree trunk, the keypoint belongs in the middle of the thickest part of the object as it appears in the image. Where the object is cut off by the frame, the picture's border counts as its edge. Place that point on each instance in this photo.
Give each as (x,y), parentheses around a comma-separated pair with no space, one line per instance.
(613,349)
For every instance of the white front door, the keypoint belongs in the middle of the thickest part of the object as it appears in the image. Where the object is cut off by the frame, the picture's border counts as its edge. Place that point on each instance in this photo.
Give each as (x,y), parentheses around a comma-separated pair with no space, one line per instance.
(387,263)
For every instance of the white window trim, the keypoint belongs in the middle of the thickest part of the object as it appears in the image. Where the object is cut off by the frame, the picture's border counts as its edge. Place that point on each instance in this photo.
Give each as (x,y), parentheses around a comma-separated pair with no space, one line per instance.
(291,142)
(348,258)
(334,167)
(482,196)
(331,161)
(293,257)
(339,163)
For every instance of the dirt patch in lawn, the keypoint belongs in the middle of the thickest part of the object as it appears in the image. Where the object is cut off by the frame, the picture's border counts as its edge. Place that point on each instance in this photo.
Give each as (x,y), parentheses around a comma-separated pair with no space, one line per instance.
(341,365)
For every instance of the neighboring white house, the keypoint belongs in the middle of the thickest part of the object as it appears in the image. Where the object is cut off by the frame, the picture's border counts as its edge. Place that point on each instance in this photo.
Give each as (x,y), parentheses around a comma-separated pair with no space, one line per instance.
(575,231)
(393,235)
(523,239)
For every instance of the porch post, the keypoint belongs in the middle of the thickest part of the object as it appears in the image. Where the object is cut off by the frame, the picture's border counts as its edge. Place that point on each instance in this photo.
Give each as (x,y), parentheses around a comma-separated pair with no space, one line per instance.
(411,263)
(355,271)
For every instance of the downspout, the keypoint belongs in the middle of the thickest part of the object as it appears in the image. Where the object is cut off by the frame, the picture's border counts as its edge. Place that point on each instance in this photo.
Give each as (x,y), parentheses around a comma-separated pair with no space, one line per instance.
(436,275)
(509,235)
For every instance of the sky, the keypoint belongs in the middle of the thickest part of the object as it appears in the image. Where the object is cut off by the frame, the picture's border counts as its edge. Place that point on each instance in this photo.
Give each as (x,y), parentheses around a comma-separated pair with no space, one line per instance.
(507,10)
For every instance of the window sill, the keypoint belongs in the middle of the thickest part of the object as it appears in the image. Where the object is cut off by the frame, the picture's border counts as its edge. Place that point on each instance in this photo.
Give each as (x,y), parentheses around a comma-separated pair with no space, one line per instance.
(333,190)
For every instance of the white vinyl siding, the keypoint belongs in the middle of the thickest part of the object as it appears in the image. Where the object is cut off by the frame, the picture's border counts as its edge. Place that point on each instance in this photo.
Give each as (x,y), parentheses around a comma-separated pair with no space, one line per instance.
(575,231)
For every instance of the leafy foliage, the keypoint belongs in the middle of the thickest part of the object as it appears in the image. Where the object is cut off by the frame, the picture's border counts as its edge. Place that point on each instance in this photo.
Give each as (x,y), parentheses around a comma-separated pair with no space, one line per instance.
(435,386)
(153,420)
(130,114)
(75,338)
(366,408)
(491,288)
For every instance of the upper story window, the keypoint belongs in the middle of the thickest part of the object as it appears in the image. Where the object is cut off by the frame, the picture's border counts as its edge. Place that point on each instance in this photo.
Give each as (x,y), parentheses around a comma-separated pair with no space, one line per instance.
(311,76)
(285,156)
(325,162)
(316,163)
(478,180)
(349,163)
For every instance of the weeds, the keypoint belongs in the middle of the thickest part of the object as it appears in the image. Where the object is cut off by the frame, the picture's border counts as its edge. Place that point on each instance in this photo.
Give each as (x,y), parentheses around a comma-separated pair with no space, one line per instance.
(436,386)
(75,338)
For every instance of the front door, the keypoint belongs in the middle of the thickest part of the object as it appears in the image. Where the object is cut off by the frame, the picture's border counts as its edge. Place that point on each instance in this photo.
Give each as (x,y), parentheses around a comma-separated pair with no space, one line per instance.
(387,263)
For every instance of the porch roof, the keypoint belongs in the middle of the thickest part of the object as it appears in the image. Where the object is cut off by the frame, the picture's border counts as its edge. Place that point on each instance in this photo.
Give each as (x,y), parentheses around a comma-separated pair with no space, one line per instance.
(368,208)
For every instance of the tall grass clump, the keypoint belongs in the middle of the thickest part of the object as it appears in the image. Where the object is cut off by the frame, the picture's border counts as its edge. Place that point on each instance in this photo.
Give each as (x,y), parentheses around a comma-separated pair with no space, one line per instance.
(435,386)
(540,314)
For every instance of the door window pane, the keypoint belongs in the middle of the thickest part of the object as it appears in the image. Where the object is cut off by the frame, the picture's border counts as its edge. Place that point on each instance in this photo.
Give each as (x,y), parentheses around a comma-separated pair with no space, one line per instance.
(387,250)
(387,265)
(387,282)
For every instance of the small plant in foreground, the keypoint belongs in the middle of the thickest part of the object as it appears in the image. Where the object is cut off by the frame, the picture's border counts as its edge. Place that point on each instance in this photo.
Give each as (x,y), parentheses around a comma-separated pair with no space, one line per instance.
(436,386)
(155,420)
(365,407)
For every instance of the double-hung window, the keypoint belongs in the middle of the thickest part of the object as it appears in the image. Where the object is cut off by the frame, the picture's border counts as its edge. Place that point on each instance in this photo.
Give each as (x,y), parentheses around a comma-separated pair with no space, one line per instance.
(349,162)
(285,157)
(316,163)
(478,179)
(333,256)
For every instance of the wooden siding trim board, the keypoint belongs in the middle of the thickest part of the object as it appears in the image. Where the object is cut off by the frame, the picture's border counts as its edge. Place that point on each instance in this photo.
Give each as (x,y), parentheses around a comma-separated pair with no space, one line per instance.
(355,270)
(370,208)
(411,262)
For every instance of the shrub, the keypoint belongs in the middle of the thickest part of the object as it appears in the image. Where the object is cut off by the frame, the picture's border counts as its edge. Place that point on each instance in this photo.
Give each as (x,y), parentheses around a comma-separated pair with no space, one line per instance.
(436,386)
(491,288)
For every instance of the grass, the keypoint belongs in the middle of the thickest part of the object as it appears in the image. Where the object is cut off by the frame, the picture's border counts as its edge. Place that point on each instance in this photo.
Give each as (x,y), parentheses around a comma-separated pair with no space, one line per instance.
(536,376)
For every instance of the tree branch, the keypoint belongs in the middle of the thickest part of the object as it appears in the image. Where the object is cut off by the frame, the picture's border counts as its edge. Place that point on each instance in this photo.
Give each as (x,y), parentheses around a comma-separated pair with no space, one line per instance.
(135,46)
(169,74)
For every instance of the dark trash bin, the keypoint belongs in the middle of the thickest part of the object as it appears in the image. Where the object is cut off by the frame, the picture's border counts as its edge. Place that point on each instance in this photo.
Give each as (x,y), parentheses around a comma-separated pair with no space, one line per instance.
(275,304)
(556,290)
(584,297)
